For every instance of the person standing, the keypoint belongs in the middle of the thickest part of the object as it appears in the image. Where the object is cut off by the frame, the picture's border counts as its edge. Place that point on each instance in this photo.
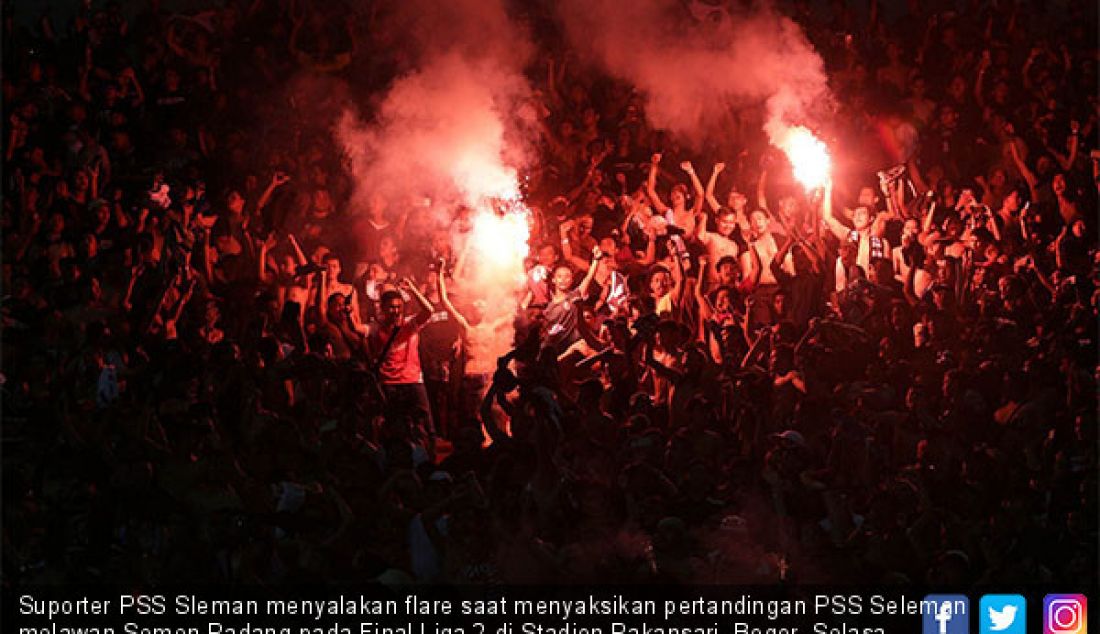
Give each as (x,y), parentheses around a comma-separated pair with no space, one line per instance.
(394,342)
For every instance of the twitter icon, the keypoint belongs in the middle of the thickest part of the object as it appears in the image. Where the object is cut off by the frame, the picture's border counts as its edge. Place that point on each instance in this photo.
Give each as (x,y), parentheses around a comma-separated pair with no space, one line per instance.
(1002,614)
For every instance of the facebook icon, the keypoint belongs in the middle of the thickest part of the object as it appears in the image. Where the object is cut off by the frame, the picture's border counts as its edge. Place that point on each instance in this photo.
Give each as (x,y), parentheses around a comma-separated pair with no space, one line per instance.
(945,614)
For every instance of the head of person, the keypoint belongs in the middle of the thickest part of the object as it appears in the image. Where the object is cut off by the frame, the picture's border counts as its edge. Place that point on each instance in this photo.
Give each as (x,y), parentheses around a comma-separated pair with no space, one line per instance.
(998,177)
(287,264)
(723,299)
(788,204)
(562,280)
(387,251)
(1078,228)
(89,246)
(779,303)
(953,226)
(758,222)
(234,202)
(591,318)
(678,197)
(81,182)
(942,296)
(881,271)
(609,246)
(332,266)
(1014,200)
(910,231)
(660,282)
(1058,184)
(949,117)
(726,222)
(320,203)
(921,335)
(547,255)
(391,307)
(376,208)
(861,218)
(737,201)
(727,270)
(867,197)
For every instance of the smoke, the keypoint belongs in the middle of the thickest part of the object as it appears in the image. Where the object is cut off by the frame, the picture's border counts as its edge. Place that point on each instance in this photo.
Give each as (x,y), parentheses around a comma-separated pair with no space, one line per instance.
(454,128)
(694,69)
(440,132)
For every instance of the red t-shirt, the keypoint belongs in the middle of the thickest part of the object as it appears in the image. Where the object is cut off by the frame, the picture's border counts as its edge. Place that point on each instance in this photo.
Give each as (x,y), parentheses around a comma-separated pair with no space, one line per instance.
(402,362)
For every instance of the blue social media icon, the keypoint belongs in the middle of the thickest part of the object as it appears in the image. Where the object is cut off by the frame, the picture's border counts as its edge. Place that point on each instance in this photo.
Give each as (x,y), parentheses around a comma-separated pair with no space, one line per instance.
(945,614)
(1002,614)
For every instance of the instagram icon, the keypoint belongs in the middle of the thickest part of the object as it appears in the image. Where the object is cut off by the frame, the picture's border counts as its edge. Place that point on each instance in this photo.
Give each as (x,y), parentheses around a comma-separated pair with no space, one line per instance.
(1065,614)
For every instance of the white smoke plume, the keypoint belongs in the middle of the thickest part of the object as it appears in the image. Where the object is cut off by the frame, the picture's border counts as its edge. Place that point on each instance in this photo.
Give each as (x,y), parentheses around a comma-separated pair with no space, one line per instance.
(447,130)
(692,69)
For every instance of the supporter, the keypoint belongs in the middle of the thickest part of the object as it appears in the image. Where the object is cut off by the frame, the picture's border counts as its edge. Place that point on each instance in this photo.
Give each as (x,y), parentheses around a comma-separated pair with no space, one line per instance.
(222,364)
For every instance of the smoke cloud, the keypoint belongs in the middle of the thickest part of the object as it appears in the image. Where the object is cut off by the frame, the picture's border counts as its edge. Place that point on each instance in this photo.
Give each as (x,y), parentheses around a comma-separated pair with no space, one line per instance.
(693,69)
(447,129)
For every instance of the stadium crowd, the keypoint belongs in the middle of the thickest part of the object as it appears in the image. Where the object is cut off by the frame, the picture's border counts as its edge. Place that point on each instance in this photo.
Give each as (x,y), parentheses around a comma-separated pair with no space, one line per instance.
(216,368)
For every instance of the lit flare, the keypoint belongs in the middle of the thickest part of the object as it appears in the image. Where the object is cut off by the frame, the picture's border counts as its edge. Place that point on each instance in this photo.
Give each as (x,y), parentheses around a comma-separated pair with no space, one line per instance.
(808,155)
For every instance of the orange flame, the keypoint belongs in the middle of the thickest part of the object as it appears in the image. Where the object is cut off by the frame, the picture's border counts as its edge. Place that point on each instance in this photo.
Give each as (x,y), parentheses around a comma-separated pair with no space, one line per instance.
(808,156)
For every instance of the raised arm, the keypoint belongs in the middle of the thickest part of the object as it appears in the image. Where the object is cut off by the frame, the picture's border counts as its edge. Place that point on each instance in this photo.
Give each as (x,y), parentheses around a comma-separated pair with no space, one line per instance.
(1066,160)
(762,188)
(496,434)
(587,281)
(983,66)
(441,281)
(567,248)
(701,227)
(678,281)
(696,184)
(711,184)
(915,175)
(776,264)
(1029,176)
(277,180)
(651,184)
(838,228)
(650,248)
(139,93)
(705,307)
(302,259)
(909,288)
(322,295)
(425,306)
(261,258)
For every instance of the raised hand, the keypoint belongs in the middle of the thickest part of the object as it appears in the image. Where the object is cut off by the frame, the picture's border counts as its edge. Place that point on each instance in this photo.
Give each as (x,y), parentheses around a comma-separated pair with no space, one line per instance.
(687,167)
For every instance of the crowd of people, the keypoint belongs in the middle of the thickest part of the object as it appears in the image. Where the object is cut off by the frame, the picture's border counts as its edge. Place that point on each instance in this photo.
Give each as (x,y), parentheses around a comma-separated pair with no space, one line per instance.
(220,367)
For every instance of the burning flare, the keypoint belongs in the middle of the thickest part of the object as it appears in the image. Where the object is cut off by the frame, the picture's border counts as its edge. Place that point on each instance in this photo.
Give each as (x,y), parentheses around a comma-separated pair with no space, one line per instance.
(808,156)
(499,238)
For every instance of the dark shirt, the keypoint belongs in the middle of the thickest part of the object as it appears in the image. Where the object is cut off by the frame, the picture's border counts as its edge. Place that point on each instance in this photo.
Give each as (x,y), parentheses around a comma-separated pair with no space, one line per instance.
(804,292)
(562,320)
